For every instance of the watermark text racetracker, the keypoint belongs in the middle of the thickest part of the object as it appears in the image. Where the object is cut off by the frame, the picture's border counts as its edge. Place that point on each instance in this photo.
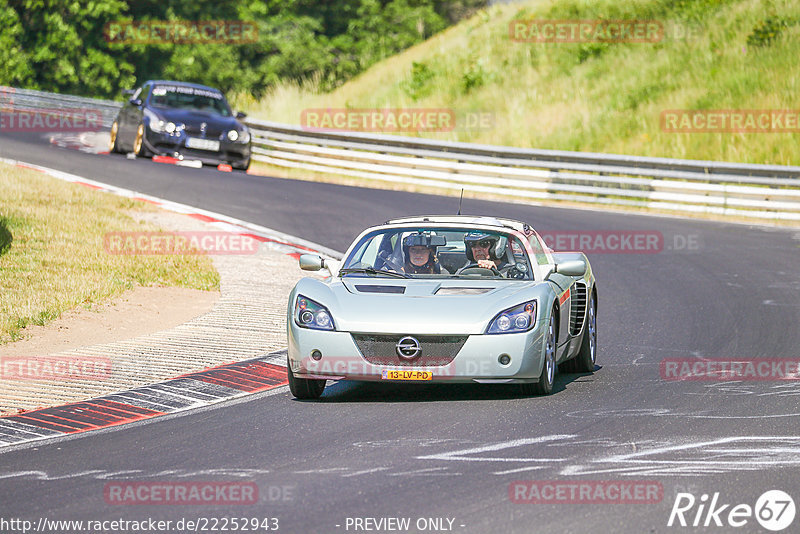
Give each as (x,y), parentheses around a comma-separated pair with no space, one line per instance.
(585,492)
(394,120)
(152,32)
(333,367)
(586,31)
(620,241)
(160,243)
(55,368)
(730,121)
(739,369)
(180,493)
(50,120)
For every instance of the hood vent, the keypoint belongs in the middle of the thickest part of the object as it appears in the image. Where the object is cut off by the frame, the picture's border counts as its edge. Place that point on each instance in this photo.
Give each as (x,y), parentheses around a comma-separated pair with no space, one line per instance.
(380,289)
(444,291)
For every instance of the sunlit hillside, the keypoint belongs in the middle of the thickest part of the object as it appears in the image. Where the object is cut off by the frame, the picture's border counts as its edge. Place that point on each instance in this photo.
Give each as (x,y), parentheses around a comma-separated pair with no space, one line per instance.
(591,96)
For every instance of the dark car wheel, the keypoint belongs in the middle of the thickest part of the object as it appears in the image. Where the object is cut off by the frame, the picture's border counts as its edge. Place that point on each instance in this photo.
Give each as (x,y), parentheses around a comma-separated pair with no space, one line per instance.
(305,388)
(138,144)
(546,380)
(113,143)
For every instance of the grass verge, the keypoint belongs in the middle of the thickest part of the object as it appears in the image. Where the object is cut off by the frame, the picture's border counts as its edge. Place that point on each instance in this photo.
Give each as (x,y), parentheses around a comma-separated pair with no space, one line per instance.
(52,257)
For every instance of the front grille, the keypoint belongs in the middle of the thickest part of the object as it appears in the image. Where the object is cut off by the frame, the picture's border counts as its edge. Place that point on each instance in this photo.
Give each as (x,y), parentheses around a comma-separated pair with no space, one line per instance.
(210,133)
(379,349)
(578,309)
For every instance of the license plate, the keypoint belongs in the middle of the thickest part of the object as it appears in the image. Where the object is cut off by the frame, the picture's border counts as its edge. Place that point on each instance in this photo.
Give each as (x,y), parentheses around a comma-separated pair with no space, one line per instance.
(407,375)
(202,144)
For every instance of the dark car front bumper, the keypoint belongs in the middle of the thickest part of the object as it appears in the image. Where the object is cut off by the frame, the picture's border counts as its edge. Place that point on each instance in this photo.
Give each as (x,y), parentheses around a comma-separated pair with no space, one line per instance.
(164,144)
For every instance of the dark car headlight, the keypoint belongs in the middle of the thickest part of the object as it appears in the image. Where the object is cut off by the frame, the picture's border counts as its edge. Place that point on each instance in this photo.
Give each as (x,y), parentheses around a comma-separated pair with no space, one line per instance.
(311,314)
(235,136)
(520,318)
(159,126)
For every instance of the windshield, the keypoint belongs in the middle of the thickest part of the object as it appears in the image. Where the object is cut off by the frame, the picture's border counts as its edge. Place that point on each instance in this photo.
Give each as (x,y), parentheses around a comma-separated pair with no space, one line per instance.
(191,98)
(439,253)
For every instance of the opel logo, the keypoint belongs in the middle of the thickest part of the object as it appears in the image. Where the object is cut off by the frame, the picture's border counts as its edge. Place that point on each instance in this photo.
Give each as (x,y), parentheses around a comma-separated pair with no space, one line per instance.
(408,348)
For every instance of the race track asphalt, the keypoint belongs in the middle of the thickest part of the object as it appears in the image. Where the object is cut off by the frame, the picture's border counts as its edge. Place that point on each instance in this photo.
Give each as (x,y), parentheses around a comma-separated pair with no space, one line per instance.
(716,290)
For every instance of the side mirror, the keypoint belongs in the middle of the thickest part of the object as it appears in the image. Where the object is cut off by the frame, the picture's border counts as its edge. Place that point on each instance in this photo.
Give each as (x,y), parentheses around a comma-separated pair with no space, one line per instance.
(241,115)
(572,268)
(135,102)
(311,262)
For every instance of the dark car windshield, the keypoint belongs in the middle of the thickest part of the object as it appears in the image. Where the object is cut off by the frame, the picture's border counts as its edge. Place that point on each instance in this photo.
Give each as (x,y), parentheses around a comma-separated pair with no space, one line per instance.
(438,253)
(190,98)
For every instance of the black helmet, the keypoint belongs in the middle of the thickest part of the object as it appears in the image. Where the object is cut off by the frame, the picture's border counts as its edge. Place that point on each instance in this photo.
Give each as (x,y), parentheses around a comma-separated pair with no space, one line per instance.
(423,239)
(497,248)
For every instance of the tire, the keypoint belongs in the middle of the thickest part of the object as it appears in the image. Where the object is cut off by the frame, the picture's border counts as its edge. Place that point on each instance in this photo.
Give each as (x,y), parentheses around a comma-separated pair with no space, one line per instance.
(138,144)
(304,388)
(243,166)
(546,380)
(586,358)
(113,142)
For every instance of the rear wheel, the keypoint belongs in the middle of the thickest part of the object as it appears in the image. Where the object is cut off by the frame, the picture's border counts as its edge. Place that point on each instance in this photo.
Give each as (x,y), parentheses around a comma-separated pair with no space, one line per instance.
(113,147)
(546,380)
(305,388)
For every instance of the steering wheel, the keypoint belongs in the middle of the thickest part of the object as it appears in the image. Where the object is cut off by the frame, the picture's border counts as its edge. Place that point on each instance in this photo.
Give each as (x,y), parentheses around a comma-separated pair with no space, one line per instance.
(383,255)
(474,268)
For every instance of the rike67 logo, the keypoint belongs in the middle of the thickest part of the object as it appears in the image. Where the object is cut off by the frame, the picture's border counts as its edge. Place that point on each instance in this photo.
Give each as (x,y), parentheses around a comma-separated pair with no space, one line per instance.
(774,510)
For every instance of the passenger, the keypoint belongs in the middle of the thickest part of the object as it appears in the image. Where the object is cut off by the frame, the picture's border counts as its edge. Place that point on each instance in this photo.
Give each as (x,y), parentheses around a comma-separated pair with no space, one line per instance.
(419,252)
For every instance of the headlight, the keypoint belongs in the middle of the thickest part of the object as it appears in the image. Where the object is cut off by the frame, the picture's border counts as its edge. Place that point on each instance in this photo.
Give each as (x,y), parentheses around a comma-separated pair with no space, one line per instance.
(157,125)
(241,137)
(513,320)
(310,314)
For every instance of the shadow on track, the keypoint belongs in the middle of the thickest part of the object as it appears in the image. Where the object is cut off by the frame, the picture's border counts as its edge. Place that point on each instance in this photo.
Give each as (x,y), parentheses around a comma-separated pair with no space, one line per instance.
(5,236)
(355,391)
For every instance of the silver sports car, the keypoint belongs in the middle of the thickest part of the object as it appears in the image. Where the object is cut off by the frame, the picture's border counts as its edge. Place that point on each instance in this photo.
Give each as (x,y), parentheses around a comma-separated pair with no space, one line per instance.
(443,299)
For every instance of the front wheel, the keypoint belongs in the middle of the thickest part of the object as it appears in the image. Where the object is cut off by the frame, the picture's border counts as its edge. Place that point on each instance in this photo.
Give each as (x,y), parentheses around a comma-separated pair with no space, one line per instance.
(138,144)
(548,377)
(305,388)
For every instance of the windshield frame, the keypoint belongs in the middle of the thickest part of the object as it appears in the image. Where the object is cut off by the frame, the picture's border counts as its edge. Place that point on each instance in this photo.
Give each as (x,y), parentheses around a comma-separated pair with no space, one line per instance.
(521,250)
(193,92)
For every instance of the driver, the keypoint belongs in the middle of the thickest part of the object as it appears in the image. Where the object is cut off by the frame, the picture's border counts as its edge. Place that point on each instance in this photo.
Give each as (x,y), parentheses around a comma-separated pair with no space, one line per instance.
(420,254)
(486,249)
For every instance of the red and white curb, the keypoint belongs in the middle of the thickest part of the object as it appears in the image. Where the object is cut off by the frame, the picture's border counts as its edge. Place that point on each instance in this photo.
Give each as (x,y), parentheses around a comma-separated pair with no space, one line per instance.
(193,390)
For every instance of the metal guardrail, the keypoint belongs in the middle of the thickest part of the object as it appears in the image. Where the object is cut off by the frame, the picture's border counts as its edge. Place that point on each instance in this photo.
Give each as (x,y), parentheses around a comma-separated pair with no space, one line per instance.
(744,190)
(29,100)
